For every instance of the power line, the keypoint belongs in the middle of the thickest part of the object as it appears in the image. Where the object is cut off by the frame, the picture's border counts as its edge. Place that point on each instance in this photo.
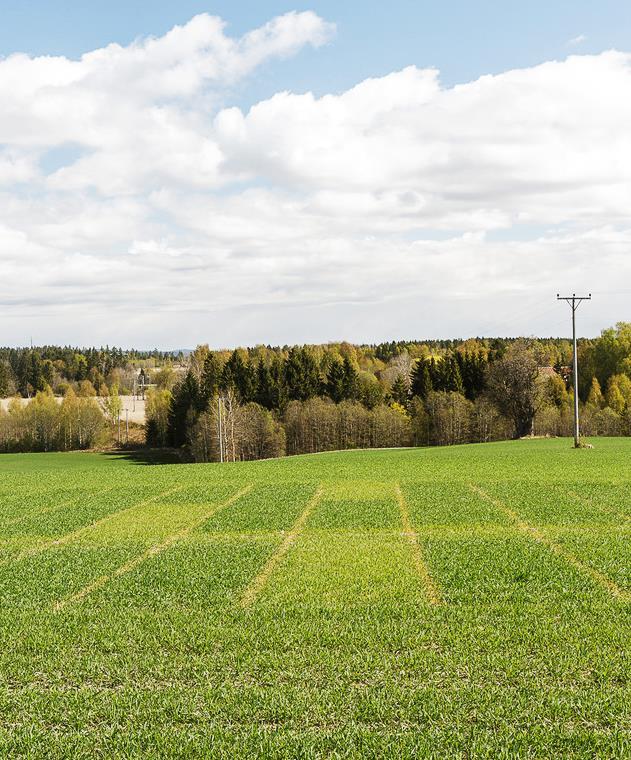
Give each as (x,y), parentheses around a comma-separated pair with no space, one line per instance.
(516,318)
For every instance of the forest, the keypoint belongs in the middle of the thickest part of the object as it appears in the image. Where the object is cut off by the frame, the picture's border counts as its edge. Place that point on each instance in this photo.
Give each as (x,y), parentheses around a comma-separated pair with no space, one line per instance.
(260,402)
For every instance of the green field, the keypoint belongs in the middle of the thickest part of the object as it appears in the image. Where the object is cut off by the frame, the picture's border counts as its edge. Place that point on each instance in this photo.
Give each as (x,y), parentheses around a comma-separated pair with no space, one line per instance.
(465,601)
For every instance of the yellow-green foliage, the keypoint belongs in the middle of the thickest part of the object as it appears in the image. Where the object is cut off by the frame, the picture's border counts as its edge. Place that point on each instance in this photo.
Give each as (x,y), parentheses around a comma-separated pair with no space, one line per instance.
(44,424)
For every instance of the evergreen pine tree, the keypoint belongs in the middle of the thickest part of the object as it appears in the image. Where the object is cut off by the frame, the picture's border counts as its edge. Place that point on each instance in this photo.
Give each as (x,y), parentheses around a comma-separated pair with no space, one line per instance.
(335,382)
(34,373)
(292,374)
(4,379)
(239,377)
(278,388)
(264,386)
(185,405)
(452,376)
(301,375)
(210,379)
(435,375)
(472,366)
(399,391)
(421,382)
(351,380)
(480,371)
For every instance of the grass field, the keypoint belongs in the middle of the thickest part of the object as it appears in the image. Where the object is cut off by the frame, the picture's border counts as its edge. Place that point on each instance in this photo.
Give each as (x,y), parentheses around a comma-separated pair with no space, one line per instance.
(466,601)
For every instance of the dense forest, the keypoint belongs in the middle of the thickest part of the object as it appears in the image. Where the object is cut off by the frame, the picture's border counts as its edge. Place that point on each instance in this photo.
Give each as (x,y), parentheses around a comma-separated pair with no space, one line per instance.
(251,403)
(25,371)
(258,402)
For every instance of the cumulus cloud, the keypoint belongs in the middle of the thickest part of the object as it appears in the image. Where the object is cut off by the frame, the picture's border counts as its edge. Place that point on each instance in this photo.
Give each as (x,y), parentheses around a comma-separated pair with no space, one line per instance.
(141,110)
(302,218)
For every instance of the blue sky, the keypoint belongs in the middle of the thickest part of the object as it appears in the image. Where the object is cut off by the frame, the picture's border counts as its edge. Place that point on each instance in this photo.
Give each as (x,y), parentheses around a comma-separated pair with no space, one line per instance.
(463,39)
(184,188)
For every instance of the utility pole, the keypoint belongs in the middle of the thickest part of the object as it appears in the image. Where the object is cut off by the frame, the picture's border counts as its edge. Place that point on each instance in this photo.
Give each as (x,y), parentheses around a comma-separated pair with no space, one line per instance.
(219,422)
(575,301)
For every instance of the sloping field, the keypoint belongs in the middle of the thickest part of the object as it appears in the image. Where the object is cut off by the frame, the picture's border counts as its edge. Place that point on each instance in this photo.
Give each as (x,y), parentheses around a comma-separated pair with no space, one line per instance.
(470,601)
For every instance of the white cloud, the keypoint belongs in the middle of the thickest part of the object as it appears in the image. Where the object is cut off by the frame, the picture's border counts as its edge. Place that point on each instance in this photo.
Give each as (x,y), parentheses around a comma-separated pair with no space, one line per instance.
(577,40)
(16,167)
(396,208)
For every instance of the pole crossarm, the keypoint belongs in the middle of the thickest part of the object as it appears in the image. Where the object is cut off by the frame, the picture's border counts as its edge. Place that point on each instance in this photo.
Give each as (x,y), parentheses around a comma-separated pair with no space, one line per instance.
(575,301)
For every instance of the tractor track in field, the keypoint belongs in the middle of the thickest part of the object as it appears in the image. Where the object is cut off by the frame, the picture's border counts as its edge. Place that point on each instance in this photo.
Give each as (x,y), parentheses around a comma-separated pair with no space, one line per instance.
(152,551)
(255,588)
(429,584)
(56,507)
(69,537)
(537,535)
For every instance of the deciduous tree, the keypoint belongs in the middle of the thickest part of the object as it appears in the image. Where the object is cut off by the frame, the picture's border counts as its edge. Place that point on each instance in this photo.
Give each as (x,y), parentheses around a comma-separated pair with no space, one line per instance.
(515,386)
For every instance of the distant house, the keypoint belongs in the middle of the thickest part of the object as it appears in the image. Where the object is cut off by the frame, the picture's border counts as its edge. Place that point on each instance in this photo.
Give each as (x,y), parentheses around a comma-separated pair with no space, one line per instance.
(563,372)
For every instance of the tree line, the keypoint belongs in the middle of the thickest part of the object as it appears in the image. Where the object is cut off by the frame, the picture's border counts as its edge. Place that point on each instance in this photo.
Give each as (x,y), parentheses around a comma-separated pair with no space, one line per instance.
(315,398)
(27,371)
(295,399)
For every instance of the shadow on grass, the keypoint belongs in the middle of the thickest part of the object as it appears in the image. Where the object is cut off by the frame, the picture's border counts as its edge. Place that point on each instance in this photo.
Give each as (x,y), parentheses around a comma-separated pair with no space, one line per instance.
(148,456)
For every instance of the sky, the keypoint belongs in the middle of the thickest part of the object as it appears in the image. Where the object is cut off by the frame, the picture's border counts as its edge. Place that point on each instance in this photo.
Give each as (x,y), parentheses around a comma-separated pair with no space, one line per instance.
(237,173)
